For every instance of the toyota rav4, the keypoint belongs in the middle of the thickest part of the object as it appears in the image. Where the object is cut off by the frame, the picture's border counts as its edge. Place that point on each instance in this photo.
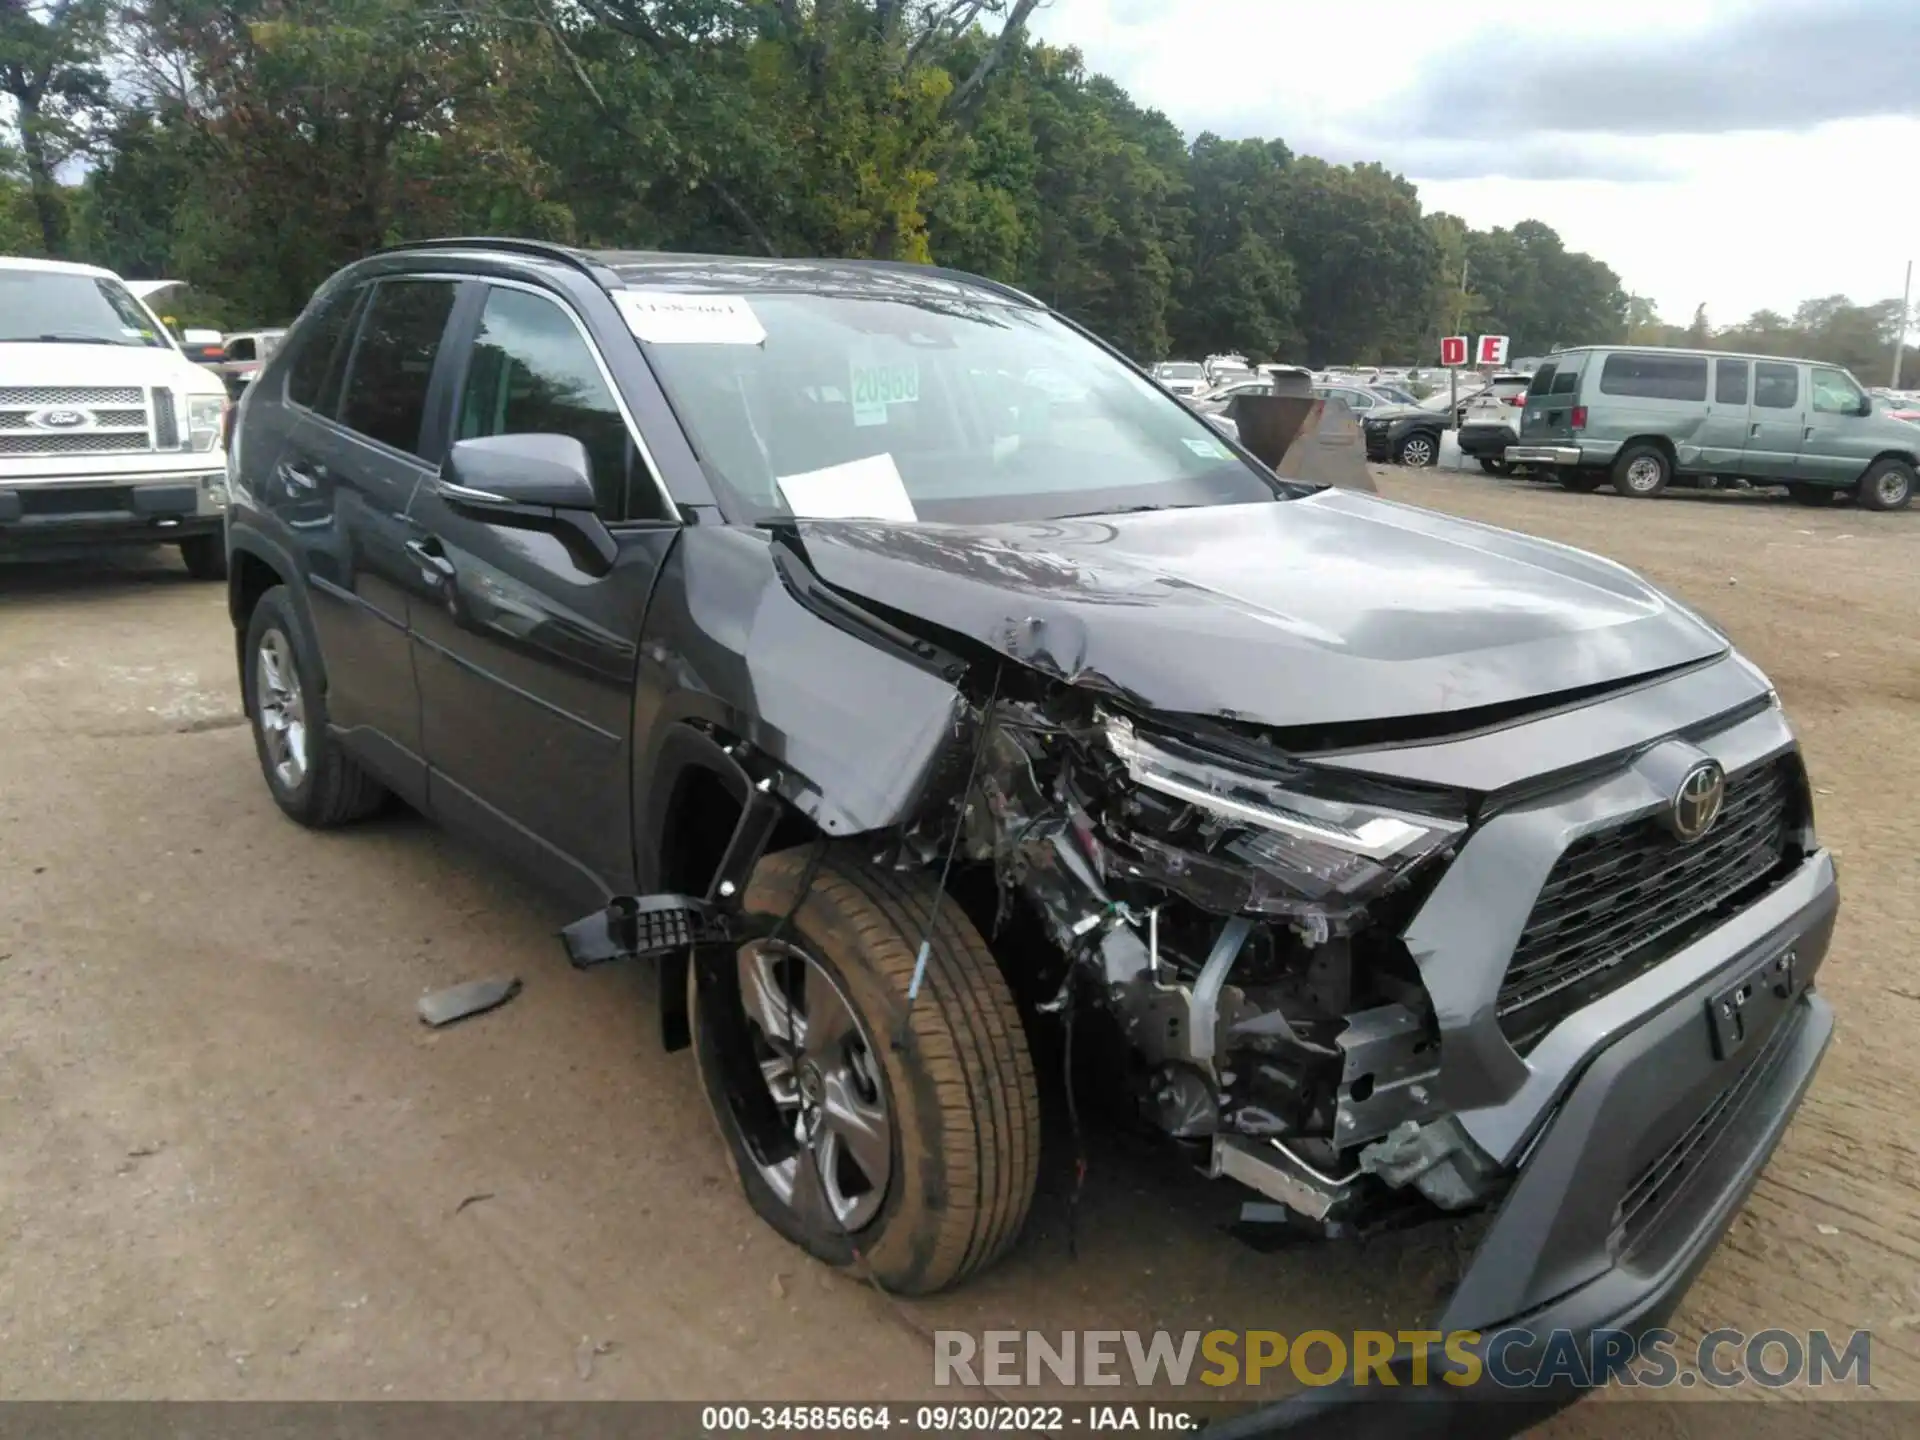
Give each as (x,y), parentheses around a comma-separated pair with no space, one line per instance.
(899,670)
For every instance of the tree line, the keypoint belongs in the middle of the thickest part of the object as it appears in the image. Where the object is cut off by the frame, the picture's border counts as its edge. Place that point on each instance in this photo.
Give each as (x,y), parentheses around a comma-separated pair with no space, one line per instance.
(250,147)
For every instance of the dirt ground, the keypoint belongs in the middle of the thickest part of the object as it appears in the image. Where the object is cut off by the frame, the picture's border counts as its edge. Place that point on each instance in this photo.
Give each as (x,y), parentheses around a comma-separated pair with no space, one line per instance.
(234,1165)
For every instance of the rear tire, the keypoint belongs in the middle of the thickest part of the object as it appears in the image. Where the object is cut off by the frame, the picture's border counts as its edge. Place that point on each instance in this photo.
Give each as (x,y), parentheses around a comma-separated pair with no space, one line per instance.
(1887,485)
(1814,495)
(1580,482)
(205,556)
(308,773)
(1642,471)
(1419,451)
(954,1088)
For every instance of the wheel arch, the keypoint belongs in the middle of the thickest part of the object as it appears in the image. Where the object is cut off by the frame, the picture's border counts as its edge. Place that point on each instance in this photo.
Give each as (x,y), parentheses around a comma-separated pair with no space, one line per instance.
(1906,457)
(1659,442)
(255,564)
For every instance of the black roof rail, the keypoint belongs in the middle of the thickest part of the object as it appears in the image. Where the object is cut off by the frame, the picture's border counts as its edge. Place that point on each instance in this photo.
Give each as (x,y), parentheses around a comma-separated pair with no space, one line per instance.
(539,249)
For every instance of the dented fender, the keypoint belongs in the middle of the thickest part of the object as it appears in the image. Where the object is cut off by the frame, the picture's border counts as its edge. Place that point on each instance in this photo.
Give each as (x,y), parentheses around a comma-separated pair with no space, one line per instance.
(855,722)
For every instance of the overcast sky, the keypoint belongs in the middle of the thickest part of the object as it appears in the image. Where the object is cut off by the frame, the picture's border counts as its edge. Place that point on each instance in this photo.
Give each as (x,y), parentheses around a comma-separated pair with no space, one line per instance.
(1747,154)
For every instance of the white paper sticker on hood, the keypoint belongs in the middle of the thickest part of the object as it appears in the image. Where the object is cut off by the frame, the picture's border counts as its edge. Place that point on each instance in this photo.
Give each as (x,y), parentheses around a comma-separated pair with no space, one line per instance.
(869,489)
(672,317)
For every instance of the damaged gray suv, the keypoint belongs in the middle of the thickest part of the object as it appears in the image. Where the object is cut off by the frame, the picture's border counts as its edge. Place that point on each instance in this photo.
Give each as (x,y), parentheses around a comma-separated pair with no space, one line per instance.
(899,671)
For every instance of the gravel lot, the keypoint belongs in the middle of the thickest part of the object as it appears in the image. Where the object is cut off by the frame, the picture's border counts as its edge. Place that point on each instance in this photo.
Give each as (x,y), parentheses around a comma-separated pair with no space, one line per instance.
(235,1165)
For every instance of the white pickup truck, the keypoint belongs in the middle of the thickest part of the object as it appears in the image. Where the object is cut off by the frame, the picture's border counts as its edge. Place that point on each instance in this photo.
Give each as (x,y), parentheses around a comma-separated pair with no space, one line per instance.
(108,434)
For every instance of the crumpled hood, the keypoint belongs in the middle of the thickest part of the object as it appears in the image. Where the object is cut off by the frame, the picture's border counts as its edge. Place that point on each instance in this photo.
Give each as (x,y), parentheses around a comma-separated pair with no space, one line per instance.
(1334,608)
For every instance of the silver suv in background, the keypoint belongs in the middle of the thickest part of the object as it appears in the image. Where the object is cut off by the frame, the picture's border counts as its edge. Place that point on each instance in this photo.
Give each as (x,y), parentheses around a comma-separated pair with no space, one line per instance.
(1643,419)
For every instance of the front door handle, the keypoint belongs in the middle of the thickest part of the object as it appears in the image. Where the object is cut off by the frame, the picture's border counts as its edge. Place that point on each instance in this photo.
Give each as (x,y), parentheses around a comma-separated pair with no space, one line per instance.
(1753,433)
(1807,433)
(428,553)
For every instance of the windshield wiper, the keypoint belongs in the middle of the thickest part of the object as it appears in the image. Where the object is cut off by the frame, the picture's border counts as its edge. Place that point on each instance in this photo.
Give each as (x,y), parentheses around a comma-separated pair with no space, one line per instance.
(1134,510)
(58,339)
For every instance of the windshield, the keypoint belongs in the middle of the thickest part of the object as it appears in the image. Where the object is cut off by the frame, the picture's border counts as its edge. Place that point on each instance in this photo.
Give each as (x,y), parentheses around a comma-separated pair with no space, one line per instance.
(946,408)
(1183,370)
(42,305)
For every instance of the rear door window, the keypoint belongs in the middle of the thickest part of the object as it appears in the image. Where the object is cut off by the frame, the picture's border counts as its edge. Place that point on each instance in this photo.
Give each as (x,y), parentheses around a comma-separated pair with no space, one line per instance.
(1566,382)
(314,379)
(1542,382)
(1730,382)
(1648,376)
(385,397)
(1775,386)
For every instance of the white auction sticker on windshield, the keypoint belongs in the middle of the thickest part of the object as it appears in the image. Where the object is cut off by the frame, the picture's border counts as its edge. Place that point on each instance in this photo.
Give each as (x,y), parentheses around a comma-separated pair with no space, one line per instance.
(674,317)
(1209,449)
(869,489)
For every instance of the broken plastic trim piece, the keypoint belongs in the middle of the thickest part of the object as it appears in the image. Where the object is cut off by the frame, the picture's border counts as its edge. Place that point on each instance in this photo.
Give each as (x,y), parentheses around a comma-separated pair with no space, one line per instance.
(640,927)
(1279,1174)
(461,1002)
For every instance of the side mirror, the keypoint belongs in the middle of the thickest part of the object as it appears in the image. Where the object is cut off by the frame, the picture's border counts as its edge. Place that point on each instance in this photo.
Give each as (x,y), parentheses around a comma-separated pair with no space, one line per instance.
(497,475)
(1866,405)
(531,482)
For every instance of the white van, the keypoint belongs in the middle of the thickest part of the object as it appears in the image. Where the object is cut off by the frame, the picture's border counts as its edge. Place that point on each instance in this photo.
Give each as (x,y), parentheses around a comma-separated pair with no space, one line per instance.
(108,434)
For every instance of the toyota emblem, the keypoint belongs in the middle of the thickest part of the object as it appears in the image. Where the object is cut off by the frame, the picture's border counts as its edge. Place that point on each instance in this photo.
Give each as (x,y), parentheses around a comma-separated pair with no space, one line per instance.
(60,417)
(1696,803)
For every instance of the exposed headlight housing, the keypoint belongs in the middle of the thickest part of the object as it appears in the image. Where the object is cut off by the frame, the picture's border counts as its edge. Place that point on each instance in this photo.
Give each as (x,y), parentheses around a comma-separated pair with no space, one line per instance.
(206,418)
(1322,850)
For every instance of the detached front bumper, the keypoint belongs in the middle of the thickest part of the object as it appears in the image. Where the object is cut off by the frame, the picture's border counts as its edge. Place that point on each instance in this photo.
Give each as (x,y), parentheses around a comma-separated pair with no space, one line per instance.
(137,508)
(1626,1191)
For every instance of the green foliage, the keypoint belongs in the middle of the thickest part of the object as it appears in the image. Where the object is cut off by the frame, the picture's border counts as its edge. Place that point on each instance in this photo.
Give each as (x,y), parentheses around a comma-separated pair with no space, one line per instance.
(270,141)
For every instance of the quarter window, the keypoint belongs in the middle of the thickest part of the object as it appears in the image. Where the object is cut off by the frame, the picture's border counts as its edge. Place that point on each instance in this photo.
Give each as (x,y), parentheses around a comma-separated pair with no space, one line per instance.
(1565,382)
(1775,386)
(1834,392)
(1654,377)
(533,373)
(385,396)
(1730,382)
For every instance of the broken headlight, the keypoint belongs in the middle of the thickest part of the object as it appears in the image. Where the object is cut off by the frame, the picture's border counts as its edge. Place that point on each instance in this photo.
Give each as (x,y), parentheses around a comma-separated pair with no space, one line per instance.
(1323,849)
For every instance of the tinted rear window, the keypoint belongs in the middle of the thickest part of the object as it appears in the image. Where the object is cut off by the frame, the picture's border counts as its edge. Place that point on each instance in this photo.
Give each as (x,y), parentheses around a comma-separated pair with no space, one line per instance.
(1655,377)
(1542,381)
(386,394)
(1566,382)
(319,341)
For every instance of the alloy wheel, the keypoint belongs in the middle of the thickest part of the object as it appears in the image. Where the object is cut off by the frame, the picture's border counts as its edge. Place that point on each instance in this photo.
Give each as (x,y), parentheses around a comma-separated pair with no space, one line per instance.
(282,709)
(830,1135)
(1417,453)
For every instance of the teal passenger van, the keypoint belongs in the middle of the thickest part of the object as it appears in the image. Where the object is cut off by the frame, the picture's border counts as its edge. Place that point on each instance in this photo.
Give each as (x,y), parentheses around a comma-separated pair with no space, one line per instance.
(1643,419)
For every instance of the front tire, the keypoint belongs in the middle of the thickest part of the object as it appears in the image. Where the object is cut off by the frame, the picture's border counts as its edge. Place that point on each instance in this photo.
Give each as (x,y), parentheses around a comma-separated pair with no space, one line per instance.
(913,1149)
(1887,485)
(1419,451)
(1495,467)
(1642,471)
(309,775)
(205,556)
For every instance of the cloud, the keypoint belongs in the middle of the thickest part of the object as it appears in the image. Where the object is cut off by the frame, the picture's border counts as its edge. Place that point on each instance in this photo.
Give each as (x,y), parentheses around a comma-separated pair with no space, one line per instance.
(1785,67)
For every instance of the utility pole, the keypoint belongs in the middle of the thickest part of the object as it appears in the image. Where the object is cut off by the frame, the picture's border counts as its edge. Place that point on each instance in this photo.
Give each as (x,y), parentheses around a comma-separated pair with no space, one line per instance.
(1900,336)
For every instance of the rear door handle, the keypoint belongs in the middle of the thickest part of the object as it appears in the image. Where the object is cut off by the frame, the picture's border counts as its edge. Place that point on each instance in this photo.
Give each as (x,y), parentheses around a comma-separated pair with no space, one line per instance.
(299,477)
(428,553)
(1753,432)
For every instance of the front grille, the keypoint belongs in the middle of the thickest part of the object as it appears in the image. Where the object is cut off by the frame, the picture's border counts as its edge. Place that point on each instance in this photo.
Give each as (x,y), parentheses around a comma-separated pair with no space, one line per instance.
(71,442)
(103,419)
(1615,895)
(32,397)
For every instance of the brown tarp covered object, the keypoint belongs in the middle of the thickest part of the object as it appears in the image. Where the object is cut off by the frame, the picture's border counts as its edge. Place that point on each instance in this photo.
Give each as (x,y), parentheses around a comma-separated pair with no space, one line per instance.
(1302,438)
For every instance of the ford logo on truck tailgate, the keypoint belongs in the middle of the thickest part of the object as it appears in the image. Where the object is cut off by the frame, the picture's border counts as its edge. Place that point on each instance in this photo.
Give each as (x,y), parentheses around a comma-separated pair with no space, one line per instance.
(60,417)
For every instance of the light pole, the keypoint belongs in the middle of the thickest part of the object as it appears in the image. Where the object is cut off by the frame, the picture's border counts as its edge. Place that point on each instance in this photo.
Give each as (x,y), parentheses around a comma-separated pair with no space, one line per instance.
(1900,335)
